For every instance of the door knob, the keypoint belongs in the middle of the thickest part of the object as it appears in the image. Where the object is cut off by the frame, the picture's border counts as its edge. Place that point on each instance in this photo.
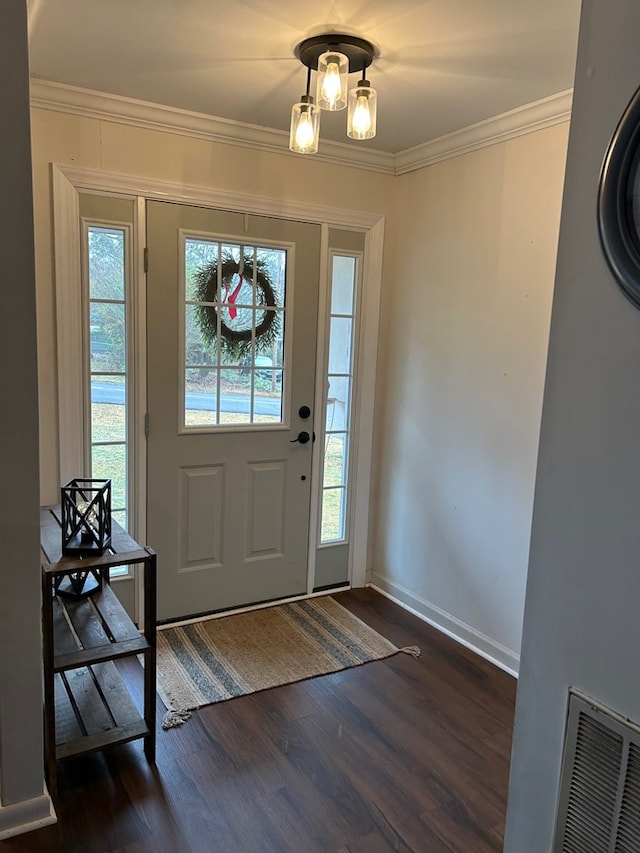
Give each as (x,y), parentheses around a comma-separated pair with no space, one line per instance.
(303,438)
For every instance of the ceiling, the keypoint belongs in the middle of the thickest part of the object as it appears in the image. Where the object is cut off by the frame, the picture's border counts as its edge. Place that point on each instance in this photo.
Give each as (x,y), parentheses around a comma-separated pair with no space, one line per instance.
(442,64)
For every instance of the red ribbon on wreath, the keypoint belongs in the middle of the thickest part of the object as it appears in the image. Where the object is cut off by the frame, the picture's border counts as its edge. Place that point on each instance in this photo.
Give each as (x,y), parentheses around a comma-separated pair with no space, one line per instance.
(231,298)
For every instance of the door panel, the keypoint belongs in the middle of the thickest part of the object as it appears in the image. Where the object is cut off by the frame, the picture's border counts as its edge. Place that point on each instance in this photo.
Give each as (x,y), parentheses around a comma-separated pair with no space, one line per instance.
(200,531)
(228,505)
(265,503)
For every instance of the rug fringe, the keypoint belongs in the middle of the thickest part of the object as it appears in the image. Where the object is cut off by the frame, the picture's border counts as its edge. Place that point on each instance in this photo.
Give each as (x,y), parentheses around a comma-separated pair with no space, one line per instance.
(175,718)
(414,651)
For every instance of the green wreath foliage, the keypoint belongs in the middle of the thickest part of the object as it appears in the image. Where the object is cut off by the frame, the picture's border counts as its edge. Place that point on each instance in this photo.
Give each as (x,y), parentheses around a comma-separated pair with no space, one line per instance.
(236,342)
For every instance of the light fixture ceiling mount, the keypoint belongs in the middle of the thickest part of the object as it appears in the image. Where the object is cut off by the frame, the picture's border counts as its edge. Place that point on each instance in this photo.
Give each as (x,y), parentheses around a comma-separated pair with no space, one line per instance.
(359,52)
(333,56)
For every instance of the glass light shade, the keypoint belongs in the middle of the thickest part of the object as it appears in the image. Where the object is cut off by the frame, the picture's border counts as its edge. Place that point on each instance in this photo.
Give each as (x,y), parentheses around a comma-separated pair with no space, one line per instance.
(305,126)
(332,77)
(363,105)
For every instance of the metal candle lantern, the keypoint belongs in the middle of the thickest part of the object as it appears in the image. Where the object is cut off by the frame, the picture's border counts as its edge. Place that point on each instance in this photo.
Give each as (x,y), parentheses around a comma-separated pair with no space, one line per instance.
(86,530)
(86,517)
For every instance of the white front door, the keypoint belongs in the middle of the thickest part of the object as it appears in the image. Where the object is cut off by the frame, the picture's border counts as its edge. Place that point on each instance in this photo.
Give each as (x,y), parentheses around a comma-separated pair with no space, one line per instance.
(231,320)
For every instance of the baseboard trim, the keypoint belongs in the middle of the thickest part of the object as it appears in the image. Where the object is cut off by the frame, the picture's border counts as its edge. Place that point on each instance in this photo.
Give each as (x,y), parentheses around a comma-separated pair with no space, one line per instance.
(26,816)
(504,658)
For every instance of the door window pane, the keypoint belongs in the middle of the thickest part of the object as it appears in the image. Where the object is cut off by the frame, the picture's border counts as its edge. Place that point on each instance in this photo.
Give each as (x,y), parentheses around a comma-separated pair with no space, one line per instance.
(235,399)
(107,336)
(340,337)
(342,290)
(108,409)
(197,351)
(334,460)
(106,264)
(201,396)
(109,461)
(234,323)
(338,402)
(333,514)
(198,253)
(267,390)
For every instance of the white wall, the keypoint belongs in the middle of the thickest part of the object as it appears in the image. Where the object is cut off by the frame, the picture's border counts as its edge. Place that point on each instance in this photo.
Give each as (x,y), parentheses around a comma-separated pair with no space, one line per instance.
(107,146)
(23,801)
(466,312)
(581,621)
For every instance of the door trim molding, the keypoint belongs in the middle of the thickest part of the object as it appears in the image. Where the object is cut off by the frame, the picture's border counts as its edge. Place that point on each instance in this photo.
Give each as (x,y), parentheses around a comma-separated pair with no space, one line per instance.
(68,182)
(68,277)
(150,188)
(318,404)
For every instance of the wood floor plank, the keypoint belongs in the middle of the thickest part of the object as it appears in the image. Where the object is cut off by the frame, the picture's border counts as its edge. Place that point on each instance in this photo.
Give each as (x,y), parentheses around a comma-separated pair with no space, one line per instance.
(390,795)
(420,741)
(402,754)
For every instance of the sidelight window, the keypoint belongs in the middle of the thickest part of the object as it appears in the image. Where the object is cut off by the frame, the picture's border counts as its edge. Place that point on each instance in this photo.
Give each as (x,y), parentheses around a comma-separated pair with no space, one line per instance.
(106,251)
(340,375)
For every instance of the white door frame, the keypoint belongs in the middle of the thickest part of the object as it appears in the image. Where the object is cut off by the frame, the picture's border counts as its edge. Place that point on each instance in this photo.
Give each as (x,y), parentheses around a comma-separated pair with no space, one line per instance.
(67,183)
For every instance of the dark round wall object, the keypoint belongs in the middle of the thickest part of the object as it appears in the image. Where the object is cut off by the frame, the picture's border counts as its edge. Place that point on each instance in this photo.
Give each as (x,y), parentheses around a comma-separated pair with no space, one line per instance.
(619,202)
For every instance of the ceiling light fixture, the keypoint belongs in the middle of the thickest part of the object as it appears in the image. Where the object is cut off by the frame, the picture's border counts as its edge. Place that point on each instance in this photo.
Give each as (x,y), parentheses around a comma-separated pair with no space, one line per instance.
(334,56)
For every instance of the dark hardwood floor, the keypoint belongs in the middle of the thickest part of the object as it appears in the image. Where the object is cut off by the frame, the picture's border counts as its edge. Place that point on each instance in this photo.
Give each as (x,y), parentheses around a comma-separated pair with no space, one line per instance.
(400,754)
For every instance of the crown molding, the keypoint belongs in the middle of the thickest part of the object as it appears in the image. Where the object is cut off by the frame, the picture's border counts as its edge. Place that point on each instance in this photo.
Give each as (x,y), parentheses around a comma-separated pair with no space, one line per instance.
(536,115)
(106,107)
(116,108)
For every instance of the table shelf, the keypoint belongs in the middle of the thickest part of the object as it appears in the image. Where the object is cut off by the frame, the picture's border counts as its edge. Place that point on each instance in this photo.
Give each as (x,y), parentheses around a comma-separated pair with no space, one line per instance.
(93,629)
(94,710)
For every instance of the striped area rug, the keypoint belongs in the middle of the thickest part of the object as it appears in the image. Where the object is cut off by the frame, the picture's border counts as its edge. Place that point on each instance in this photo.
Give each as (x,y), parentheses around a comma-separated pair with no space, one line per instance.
(216,659)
